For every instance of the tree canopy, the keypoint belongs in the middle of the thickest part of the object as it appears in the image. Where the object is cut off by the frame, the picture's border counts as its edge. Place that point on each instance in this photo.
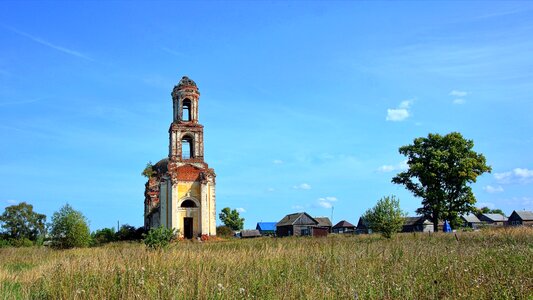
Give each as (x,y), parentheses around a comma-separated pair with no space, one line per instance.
(486,210)
(21,222)
(440,171)
(69,228)
(231,218)
(386,217)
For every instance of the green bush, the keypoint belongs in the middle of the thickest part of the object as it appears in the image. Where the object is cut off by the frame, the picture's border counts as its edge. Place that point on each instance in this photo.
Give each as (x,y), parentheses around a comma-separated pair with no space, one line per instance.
(386,217)
(69,229)
(160,237)
(103,236)
(22,242)
(224,231)
(5,243)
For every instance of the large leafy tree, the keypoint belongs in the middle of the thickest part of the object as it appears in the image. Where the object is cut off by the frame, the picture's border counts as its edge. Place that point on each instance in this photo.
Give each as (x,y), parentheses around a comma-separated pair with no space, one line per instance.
(20,221)
(441,168)
(69,228)
(386,217)
(231,218)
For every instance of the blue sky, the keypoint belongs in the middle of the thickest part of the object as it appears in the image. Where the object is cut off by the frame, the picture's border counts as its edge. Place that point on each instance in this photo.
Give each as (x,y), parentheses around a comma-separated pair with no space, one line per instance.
(304,104)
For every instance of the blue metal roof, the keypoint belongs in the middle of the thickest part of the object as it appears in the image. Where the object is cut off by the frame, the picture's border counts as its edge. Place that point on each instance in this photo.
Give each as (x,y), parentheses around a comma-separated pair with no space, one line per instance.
(266,226)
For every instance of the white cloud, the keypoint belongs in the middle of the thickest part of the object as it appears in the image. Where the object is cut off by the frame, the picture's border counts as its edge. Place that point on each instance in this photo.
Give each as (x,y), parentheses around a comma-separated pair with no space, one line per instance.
(401,113)
(302,186)
(406,103)
(277,161)
(326,202)
(11,201)
(270,189)
(386,168)
(459,101)
(502,176)
(457,93)
(50,45)
(241,210)
(521,175)
(397,115)
(329,199)
(297,207)
(389,168)
(493,189)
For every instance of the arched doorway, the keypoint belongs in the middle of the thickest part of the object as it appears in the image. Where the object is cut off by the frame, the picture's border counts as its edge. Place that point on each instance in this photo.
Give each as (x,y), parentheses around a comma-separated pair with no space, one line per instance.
(188,221)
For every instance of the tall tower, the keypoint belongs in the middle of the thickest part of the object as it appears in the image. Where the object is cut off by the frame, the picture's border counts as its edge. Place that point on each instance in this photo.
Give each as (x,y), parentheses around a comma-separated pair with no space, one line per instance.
(180,192)
(186,134)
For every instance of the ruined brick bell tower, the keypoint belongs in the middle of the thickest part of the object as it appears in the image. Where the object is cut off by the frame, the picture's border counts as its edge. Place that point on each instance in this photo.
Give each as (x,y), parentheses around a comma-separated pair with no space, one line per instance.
(180,193)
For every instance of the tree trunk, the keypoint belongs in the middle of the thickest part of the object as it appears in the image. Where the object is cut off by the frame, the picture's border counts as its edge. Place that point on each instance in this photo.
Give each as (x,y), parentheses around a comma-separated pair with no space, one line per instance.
(435,224)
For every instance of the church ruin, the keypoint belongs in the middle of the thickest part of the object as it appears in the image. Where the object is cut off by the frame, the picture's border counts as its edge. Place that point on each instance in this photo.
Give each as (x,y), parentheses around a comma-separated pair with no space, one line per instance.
(180,192)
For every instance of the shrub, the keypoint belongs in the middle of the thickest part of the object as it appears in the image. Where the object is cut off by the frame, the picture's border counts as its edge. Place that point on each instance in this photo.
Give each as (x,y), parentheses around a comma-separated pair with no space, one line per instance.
(386,217)
(5,243)
(130,233)
(224,231)
(103,236)
(160,237)
(69,229)
(22,242)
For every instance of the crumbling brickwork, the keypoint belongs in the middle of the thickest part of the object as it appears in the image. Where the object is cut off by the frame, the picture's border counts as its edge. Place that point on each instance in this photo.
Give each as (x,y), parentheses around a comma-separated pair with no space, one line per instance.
(184,175)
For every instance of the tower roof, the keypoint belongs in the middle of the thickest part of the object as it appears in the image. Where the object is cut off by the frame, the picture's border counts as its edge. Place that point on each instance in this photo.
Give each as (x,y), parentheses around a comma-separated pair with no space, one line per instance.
(186,81)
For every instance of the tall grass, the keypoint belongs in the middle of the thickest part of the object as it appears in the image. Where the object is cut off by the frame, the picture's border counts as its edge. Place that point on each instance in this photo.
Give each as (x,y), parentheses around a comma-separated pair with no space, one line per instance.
(495,264)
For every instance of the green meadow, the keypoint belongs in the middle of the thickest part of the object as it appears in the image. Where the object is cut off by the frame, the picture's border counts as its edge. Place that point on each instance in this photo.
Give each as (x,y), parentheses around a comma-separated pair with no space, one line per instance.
(488,264)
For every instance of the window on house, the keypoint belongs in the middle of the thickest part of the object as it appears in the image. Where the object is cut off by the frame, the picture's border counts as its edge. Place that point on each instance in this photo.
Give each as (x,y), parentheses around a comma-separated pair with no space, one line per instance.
(186,147)
(186,110)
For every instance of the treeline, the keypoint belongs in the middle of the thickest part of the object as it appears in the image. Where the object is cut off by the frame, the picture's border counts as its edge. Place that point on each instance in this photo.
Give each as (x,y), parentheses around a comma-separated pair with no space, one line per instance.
(21,226)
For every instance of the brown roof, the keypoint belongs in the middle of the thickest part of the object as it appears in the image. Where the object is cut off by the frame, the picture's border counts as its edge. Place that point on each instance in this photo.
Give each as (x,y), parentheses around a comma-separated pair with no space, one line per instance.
(291,219)
(323,221)
(344,224)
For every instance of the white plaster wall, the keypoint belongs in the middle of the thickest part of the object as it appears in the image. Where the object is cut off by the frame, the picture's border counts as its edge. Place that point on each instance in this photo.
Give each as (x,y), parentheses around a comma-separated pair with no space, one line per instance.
(212,211)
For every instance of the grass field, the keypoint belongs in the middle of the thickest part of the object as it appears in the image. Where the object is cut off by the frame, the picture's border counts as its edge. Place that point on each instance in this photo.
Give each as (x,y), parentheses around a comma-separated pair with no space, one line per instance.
(495,264)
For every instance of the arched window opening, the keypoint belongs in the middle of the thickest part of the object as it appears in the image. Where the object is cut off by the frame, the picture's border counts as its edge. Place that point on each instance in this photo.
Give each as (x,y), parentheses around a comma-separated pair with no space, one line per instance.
(186,110)
(187,147)
(188,203)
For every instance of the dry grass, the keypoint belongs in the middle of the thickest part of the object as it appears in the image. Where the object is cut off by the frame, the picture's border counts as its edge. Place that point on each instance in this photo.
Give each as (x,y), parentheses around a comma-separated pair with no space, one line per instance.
(495,264)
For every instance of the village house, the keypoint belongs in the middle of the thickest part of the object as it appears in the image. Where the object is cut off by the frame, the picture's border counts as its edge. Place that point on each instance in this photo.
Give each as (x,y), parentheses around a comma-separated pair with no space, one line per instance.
(521,217)
(343,227)
(324,222)
(266,228)
(299,224)
(493,219)
(417,224)
(180,192)
(362,227)
(470,220)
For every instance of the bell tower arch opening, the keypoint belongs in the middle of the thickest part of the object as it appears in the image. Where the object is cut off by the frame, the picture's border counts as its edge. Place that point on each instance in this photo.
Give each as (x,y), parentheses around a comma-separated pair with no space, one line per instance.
(187,147)
(186,110)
